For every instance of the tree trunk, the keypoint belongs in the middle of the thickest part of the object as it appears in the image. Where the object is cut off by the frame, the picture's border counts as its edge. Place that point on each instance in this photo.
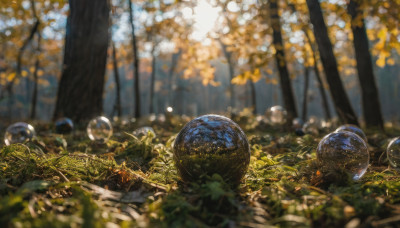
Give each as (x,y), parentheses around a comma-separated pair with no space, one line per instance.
(117,105)
(305,95)
(152,80)
(287,91)
(253,97)
(370,97)
(35,78)
(339,96)
(228,56)
(325,104)
(175,57)
(135,63)
(80,90)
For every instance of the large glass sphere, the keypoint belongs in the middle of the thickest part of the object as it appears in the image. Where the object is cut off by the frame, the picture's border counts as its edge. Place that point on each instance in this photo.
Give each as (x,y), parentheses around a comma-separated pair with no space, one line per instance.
(352,128)
(64,126)
(143,131)
(99,129)
(393,152)
(276,115)
(212,144)
(344,150)
(19,133)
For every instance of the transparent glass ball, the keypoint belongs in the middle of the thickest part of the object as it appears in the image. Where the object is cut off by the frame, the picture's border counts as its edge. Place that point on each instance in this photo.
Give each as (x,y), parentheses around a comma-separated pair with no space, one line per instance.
(19,133)
(393,152)
(211,144)
(64,126)
(99,129)
(143,131)
(352,128)
(297,123)
(345,150)
(276,115)
(312,126)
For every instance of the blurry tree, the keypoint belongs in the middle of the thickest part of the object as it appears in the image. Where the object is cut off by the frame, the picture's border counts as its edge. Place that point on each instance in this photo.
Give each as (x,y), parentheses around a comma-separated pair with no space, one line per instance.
(370,97)
(37,63)
(80,90)
(339,96)
(287,91)
(136,60)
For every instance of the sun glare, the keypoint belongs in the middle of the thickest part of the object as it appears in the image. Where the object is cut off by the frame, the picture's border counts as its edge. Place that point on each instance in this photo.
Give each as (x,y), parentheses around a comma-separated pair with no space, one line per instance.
(205,16)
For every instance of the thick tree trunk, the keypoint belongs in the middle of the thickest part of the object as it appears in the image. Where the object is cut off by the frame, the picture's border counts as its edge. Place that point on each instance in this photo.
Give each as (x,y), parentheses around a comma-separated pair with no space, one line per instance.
(80,90)
(136,88)
(339,96)
(152,80)
(305,95)
(35,78)
(370,97)
(286,87)
(253,97)
(117,105)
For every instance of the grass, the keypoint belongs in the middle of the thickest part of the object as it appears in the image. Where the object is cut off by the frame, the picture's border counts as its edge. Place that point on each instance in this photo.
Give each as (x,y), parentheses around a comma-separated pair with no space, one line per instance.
(132,182)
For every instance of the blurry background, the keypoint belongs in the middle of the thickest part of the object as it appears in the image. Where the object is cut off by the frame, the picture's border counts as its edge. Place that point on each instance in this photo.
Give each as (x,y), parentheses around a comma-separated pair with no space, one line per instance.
(204,56)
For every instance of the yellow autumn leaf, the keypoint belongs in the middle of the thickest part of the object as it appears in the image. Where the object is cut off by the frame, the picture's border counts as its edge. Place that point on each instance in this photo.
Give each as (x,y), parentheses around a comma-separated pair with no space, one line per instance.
(381,61)
(11,76)
(24,73)
(390,61)
(40,73)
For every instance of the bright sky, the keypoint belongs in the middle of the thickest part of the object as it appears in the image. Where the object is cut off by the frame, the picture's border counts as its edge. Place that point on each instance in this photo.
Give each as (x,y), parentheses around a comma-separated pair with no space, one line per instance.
(205,16)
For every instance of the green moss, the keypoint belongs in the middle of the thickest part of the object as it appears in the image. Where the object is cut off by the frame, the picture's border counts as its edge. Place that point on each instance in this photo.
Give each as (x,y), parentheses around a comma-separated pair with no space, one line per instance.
(45,184)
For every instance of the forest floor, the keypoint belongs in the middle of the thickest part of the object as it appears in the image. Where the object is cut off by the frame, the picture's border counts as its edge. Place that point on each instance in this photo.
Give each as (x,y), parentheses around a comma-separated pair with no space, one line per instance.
(131,182)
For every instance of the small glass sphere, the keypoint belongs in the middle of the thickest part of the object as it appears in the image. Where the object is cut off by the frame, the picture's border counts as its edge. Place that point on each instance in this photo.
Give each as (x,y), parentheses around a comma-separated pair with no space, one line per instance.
(143,131)
(170,109)
(345,150)
(312,126)
(297,123)
(212,144)
(19,133)
(64,126)
(352,128)
(393,152)
(276,115)
(99,129)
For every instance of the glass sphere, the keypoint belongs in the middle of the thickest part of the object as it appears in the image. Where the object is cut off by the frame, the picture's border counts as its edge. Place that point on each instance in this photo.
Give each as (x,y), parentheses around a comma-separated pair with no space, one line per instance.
(297,123)
(352,128)
(276,115)
(345,150)
(143,131)
(393,152)
(64,126)
(19,133)
(211,144)
(312,126)
(99,129)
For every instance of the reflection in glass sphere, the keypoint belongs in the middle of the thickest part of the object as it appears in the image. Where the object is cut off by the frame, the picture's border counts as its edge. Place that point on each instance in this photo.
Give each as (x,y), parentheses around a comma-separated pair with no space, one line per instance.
(19,133)
(276,115)
(64,126)
(393,152)
(297,123)
(345,150)
(212,144)
(143,131)
(352,128)
(99,129)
